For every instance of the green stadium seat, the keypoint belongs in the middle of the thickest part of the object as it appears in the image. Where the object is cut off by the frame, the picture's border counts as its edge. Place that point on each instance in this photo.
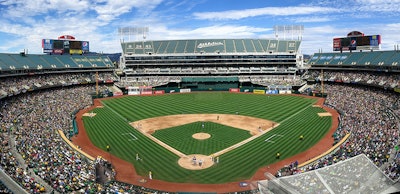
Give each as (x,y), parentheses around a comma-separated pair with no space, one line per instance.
(190,46)
(229,46)
(258,46)
(171,47)
(249,45)
(239,46)
(368,57)
(181,46)
(384,58)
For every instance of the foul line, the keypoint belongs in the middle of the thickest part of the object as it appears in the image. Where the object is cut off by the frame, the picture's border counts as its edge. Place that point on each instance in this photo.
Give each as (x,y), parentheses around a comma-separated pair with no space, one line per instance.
(287,118)
(114,111)
(268,139)
(133,136)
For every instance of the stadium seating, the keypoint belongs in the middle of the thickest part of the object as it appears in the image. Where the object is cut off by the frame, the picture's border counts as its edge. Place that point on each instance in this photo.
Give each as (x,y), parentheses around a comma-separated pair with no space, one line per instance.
(33,62)
(210,46)
(363,59)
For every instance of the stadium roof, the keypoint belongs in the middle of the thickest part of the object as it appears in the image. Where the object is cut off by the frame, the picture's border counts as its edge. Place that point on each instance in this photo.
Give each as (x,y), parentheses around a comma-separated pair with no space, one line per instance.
(211,46)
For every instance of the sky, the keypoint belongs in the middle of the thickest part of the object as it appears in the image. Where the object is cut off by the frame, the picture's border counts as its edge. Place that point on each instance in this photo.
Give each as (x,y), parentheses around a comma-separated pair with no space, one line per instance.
(23,24)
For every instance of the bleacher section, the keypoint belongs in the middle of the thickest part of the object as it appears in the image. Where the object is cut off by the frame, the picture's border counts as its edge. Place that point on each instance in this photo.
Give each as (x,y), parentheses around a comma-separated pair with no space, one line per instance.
(375,59)
(32,62)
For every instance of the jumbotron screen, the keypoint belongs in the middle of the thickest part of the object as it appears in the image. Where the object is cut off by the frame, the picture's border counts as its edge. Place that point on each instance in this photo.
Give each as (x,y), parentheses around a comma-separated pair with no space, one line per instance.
(57,46)
(357,43)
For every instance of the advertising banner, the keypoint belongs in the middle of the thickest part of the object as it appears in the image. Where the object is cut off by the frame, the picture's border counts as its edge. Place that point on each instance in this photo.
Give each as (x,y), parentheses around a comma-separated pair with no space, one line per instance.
(85,45)
(117,93)
(185,90)
(259,91)
(234,89)
(272,92)
(159,92)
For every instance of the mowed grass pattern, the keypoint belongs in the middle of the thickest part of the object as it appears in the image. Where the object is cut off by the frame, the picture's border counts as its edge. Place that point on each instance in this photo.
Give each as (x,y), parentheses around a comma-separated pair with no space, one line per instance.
(221,137)
(295,114)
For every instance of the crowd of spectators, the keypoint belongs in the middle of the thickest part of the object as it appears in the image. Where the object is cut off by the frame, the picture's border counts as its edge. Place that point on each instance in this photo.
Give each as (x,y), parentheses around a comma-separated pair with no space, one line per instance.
(381,79)
(148,80)
(370,115)
(20,84)
(32,120)
(273,80)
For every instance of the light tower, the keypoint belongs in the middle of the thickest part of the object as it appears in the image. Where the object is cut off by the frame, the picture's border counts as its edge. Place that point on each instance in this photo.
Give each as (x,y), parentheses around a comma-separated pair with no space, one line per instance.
(132,31)
(289,30)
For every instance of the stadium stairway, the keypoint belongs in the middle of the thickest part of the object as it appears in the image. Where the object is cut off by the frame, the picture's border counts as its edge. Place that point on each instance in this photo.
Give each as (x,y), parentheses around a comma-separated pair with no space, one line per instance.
(10,183)
(305,87)
(30,171)
(115,89)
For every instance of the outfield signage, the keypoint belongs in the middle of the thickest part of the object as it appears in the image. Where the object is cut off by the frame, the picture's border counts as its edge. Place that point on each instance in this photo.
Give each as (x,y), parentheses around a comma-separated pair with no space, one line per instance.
(158,92)
(259,91)
(234,89)
(146,93)
(187,90)
(272,92)
(117,93)
(285,91)
(133,90)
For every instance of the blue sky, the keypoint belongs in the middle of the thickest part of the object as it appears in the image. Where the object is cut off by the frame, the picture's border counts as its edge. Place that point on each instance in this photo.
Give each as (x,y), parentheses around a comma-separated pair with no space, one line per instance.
(25,23)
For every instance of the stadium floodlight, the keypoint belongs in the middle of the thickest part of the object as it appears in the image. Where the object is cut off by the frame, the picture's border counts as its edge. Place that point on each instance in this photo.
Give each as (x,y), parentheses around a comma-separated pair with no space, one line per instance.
(133,31)
(292,30)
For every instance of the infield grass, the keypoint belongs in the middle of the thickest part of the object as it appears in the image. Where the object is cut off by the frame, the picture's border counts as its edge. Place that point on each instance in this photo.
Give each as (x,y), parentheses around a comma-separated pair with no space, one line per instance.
(222,136)
(295,114)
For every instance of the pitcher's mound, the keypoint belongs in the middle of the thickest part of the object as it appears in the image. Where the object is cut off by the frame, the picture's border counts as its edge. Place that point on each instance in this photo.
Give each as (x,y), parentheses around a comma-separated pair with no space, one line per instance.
(201,136)
(192,162)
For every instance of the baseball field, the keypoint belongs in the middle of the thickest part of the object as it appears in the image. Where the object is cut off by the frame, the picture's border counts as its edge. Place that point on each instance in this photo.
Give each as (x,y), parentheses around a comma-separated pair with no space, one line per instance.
(234,134)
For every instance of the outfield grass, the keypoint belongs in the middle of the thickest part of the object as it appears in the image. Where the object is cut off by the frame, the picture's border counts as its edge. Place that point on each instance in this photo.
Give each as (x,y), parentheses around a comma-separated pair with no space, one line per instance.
(295,115)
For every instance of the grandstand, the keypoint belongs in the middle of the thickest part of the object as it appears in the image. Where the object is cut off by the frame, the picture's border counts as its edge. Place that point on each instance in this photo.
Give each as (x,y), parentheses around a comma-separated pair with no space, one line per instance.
(21,63)
(238,59)
(376,60)
(15,66)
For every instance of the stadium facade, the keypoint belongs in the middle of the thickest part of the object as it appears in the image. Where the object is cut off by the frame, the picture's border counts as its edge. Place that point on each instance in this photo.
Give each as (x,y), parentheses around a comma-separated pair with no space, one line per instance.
(157,63)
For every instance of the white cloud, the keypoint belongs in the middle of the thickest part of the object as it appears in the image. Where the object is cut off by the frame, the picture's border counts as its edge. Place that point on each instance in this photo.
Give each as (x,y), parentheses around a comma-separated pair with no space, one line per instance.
(111,9)
(362,6)
(271,11)
(215,31)
(311,19)
(21,9)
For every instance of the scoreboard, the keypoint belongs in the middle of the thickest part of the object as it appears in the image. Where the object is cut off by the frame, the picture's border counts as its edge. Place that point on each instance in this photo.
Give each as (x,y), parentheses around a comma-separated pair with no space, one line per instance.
(59,46)
(372,42)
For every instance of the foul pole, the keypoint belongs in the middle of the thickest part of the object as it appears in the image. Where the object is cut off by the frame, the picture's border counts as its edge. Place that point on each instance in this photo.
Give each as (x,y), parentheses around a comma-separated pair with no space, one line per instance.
(97,84)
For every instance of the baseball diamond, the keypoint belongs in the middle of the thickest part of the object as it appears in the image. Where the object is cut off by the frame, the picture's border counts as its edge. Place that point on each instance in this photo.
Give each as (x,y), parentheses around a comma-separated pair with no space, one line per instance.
(164,126)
